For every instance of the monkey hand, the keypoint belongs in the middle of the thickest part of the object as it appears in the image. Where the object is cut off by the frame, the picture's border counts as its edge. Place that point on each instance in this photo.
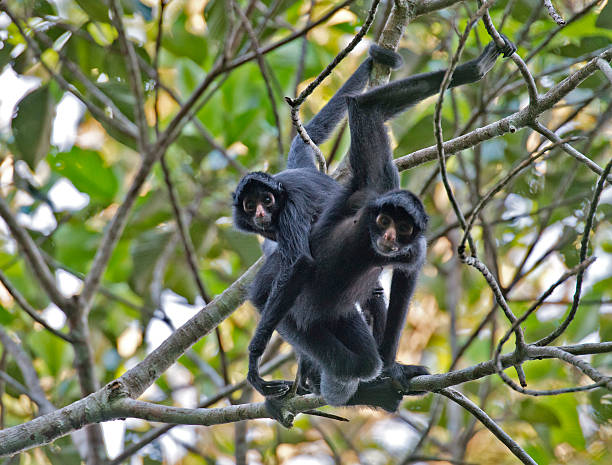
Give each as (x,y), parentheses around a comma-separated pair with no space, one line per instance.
(479,67)
(265,388)
(276,388)
(509,48)
(401,375)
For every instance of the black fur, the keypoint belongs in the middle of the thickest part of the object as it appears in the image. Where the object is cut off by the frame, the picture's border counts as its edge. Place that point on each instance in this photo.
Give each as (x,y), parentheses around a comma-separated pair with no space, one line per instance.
(313,305)
(301,192)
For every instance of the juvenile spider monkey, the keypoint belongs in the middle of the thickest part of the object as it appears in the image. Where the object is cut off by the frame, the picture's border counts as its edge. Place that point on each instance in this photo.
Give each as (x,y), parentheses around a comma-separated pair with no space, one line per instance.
(283,207)
(367,225)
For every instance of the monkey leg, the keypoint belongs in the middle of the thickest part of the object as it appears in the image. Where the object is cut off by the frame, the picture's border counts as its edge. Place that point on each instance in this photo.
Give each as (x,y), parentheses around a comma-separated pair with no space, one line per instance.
(375,312)
(344,348)
(310,375)
(337,391)
(380,392)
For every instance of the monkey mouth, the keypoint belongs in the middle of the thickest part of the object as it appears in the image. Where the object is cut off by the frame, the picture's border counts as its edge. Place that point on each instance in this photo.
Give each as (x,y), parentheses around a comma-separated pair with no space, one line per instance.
(387,247)
(262,223)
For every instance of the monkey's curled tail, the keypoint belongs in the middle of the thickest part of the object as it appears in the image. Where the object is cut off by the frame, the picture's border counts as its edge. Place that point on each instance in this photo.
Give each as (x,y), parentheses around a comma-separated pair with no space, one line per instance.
(385,56)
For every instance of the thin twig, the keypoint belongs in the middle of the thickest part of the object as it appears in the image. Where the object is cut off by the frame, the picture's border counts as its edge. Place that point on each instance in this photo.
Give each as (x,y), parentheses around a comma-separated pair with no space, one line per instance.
(472,260)
(296,103)
(75,70)
(605,68)
(26,366)
(583,252)
(489,423)
(553,13)
(521,65)
(505,181)
(135,80)
(539,127)
(34,258)
(265,74)
(577,269)
(23,303)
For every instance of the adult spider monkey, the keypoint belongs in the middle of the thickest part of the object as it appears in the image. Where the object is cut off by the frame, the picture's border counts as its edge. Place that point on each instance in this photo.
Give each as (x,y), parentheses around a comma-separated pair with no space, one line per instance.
(367,225)
(282,207)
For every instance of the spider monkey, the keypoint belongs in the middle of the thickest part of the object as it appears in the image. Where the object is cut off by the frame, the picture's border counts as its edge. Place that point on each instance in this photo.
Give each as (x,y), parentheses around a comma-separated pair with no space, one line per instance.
(367,225)
(283,207)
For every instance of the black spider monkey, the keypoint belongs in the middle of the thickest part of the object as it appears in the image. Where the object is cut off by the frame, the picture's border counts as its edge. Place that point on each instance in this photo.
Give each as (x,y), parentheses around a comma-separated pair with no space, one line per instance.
(283,207)
(367,225)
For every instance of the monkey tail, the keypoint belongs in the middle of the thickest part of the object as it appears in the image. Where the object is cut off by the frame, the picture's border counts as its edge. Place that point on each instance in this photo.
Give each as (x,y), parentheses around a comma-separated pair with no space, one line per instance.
(386,56)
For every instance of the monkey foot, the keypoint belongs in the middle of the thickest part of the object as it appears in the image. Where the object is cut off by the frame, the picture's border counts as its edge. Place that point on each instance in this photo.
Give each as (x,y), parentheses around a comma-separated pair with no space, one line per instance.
(401,375)
(509,47)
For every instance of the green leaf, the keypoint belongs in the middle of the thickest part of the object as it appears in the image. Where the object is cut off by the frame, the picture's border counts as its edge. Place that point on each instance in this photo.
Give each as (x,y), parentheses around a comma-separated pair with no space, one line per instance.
(216,16)
(42,8)
(20,276)
(182,43)
(88,172)
(565,407)
(586,45)
(145,253)
(601,401)
(6,317)
(54,351)
(534,412)
(121,95)
(96,9)
(5,55)
(32,126)
(604,19)
(74,245)
(133,6)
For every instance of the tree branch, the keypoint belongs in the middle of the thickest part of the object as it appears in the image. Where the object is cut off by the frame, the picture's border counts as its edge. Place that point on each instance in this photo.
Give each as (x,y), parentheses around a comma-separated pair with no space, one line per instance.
(486,420)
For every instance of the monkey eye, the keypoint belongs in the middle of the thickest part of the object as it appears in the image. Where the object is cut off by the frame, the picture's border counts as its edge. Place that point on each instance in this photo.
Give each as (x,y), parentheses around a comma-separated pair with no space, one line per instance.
(268,200)
(249,205)
(404,228)
(383,221)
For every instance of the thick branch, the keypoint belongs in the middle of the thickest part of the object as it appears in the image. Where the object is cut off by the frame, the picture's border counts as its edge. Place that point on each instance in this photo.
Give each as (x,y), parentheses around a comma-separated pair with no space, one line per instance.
(510,123)
(110,402)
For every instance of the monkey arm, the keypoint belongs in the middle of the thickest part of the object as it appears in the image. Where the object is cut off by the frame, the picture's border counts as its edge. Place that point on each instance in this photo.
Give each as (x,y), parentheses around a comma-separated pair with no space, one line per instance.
(476,69)
(320,127)
(393,98)
(281,299)
(402,288)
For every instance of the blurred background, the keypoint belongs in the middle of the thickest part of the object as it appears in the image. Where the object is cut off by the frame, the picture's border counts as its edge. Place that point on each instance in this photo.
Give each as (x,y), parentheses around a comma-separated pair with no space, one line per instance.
(65,172)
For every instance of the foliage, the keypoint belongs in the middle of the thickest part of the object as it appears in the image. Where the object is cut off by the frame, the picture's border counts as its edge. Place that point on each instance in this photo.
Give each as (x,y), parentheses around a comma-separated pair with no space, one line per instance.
(528,235)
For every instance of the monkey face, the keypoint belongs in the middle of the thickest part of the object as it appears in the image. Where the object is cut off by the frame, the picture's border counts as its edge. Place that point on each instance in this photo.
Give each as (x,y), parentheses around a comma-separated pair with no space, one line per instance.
(260,206)
(397,222)
(392,232)
(258,202)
